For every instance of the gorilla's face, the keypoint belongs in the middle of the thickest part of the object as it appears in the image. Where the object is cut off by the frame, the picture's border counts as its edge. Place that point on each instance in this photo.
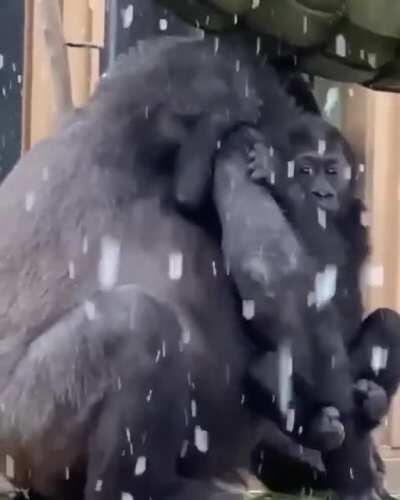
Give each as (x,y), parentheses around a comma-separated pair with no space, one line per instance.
(320,171)
(324,179)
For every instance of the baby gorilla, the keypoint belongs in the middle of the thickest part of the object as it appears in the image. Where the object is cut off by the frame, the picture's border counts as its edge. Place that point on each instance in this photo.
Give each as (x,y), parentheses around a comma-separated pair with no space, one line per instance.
(299,271)
(279,268)
(307,259)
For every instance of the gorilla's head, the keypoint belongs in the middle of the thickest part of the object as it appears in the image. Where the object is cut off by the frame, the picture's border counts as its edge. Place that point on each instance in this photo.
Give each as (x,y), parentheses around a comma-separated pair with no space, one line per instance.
(321,167)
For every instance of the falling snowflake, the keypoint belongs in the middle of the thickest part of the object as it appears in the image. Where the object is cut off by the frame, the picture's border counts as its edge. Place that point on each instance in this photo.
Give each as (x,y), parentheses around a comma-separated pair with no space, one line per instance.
(126,496)
(175,268)
(347,173)
(193,406)
(140,467)
(216,44)
(258,43)
(305,24)
(332,98)
(285,368)
(163,24)
(375,275)
(85,245)
(184,448)
(365,218)
(290,419)
(71,270)
(290,166)
(248,309)
(372,60)
(108,268)
(201,439)
(321,214)
(127,16)
(340,45)
(45,174)
(10,467)
(29,201)
(325,285)
(379,358)
(90,310)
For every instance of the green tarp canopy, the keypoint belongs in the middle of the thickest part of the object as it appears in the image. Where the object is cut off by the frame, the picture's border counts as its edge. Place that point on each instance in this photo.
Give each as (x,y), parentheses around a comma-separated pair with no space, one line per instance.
(343,40)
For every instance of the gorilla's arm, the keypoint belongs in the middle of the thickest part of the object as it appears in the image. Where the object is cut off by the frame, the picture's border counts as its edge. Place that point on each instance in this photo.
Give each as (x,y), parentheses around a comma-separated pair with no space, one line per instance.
(374,358)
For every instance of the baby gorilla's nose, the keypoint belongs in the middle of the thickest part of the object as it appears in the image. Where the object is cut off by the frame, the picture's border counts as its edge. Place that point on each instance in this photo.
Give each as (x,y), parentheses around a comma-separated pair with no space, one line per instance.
(322,195)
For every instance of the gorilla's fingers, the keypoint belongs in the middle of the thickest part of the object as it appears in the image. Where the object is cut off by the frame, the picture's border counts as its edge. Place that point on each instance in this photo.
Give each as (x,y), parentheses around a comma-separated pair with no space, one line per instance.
(326,432)
(372,401)
(261,165)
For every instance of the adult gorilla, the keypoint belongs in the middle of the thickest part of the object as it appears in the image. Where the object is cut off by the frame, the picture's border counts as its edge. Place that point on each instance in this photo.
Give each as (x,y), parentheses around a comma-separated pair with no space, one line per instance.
(122,349)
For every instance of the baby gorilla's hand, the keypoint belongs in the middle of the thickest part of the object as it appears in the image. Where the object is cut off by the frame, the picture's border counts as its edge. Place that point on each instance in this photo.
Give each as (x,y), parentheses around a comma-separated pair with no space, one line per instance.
(261,166)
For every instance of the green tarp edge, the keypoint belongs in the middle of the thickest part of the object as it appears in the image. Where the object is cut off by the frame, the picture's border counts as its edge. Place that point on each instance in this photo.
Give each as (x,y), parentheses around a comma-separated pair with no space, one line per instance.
(345,40)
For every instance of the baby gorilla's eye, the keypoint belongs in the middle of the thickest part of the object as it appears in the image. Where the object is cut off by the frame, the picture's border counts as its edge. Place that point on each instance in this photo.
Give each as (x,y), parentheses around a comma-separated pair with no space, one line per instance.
(306,170)
(331,171)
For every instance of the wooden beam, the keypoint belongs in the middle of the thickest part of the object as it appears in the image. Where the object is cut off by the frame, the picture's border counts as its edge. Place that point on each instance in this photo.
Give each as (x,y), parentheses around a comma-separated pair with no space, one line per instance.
(84,62)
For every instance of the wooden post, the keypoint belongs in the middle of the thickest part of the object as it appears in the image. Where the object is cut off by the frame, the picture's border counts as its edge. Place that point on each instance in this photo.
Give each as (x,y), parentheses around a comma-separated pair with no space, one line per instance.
(83,25)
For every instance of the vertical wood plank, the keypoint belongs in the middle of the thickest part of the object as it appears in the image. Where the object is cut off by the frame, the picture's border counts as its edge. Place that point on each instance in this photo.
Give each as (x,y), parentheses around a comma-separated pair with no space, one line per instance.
(83,22)
(383,175)
(41,98)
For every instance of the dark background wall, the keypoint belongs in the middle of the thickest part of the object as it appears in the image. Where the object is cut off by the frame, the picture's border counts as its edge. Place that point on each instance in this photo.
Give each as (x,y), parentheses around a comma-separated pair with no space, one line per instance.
(11,64)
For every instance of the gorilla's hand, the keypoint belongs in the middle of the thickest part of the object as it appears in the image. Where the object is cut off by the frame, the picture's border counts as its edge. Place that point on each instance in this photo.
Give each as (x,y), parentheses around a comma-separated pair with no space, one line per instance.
(326,432)
(195,159)
(372,401)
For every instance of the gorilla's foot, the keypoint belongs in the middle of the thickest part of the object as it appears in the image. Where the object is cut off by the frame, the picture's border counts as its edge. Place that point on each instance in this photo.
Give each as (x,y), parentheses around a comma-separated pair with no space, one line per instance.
(372,400)
(326,431)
